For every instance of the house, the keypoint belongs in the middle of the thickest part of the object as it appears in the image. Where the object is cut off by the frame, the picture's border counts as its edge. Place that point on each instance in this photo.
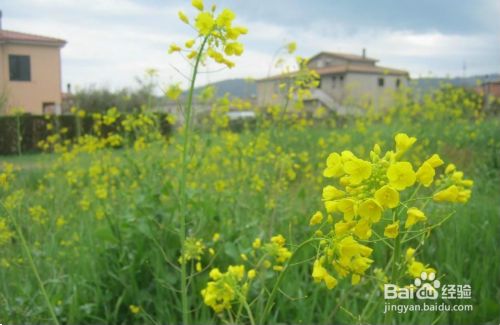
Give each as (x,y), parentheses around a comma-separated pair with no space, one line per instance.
(347,82)
(30,72)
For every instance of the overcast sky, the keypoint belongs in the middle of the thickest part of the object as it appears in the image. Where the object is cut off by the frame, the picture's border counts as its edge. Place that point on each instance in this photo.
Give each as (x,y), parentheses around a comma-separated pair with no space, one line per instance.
(112,41)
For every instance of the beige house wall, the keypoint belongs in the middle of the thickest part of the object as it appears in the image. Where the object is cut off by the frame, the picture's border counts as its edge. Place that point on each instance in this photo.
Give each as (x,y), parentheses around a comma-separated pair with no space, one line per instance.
(363,89)
(268,92)
(45,84)
(356,89)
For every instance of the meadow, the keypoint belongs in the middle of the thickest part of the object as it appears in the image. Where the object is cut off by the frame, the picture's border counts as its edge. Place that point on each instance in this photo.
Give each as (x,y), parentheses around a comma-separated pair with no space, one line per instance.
(298,217)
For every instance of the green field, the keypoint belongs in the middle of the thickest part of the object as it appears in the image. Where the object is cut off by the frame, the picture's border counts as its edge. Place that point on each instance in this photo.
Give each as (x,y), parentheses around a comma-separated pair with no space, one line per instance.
(101,226)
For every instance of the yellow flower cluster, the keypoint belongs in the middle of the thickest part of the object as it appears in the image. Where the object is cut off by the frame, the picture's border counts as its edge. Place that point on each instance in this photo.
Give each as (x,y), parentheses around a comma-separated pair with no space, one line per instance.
(215,31)
(367,188)
(6,176)
(415,268)
(193,250)
(5,233)
(275,251)
(456,189)
(226,287)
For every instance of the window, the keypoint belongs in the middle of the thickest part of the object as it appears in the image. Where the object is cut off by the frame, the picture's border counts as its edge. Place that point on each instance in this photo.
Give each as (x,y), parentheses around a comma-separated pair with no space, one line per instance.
(19,68)
(381,82)
(398,83)
(341,78)
(49,108)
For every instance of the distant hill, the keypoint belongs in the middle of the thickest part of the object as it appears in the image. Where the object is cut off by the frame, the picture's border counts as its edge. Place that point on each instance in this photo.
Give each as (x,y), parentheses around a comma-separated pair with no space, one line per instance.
(246,88)
(426,84)
(241,88)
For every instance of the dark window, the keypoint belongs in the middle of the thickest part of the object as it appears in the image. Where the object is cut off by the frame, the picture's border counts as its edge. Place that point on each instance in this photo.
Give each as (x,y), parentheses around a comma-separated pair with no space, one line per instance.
(398,83)
(48,108)
(19,68)
(341,78)
(381,82)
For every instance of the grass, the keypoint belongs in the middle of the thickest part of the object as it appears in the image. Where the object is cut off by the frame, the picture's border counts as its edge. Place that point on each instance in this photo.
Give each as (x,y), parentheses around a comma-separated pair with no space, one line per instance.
(95,262)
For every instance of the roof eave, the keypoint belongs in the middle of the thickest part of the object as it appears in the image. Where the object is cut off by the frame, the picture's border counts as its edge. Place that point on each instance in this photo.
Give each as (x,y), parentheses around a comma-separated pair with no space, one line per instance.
(55,43)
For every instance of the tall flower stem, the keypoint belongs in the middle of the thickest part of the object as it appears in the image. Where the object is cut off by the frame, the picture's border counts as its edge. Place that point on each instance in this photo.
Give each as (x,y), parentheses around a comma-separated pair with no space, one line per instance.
(182,182)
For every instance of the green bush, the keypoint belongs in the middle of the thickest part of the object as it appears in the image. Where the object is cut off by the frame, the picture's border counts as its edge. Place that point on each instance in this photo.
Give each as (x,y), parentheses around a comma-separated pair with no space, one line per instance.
(33,129)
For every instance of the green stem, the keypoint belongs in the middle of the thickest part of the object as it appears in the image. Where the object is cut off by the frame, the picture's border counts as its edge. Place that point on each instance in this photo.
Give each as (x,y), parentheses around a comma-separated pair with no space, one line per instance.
(274,291)
(182,184)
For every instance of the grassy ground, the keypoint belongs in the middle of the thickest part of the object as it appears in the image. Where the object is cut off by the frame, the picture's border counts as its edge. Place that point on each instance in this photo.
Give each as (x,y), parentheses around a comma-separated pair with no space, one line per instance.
(102,227)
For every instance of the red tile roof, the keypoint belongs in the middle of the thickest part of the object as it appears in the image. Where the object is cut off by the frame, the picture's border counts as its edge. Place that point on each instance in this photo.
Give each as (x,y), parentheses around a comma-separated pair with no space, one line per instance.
(17,37)
(346,56)
(361,68)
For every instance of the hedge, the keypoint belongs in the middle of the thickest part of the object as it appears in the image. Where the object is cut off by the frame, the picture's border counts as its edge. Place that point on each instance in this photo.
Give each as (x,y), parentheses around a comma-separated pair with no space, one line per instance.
(33,128)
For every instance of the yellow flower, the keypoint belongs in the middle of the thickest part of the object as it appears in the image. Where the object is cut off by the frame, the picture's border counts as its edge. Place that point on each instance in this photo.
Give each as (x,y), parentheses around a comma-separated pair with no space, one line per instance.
(392,230)
(173,92)
(403,142)
(134,309)
(450,194)
(450,169)
(183,17)
(318,272)
(204,23)
(401,175)
(330,281)
(278,239)
(237,271)
(331,192)
(331,206)
(174,48)
(348,207)
(363,229)
(370,210)
(198,4)
(291,47)
(321,274)
(257,243)
(215,274)
(225,18)
(410,252)
(435,161)
(216,237)
(415,268)
(348,247)
(316,218)
(414,216)
(387,196)
(333,166)
(342,227)
(425,174)
(5,233)
(198,267)
(59,222)
(189,44)
(358,170)
(251,274)
(234,48)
